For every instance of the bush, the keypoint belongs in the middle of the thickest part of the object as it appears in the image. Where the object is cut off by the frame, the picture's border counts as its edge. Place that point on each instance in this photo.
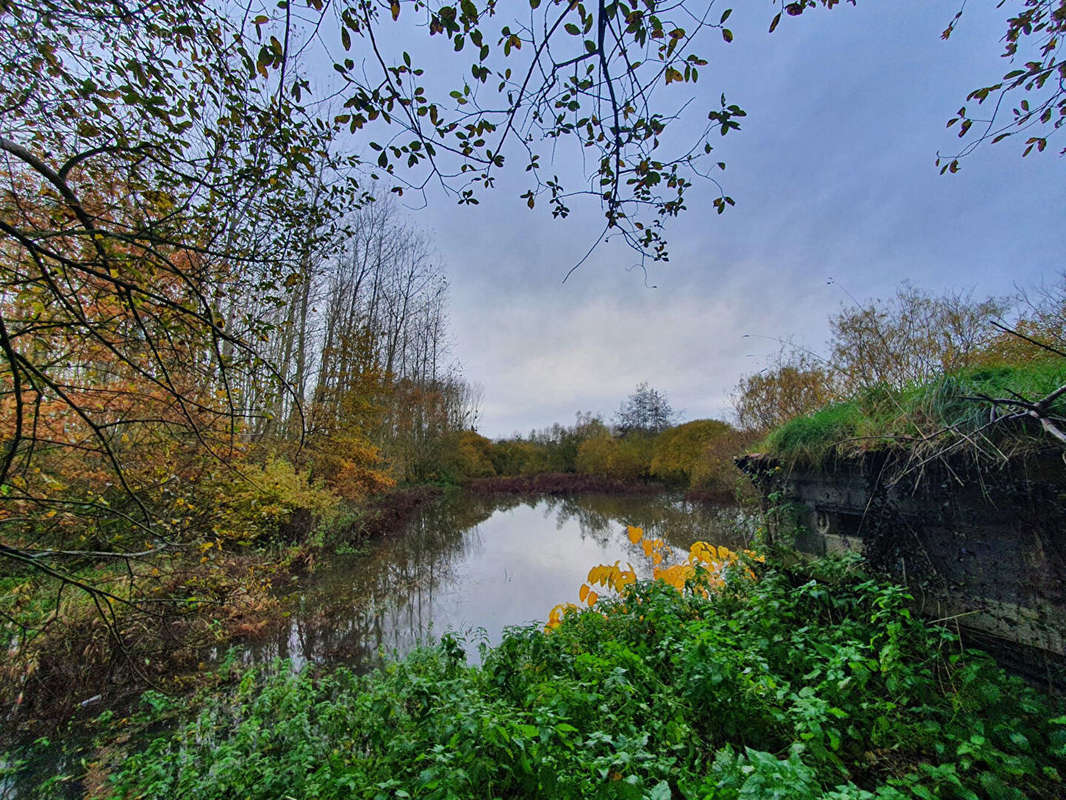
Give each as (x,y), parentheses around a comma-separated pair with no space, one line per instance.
(594,454)
(351,465)
(630,460)
(797,686)
(257,501)
(470,455)
(698,454)
(625,459)
(774,396)
(516,457)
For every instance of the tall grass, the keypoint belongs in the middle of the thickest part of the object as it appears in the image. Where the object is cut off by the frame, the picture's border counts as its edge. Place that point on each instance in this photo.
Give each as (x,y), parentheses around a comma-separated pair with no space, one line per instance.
(954,411)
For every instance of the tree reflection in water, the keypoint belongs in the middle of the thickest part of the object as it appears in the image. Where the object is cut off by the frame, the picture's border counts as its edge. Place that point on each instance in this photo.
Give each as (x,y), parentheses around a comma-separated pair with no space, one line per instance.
(474,565)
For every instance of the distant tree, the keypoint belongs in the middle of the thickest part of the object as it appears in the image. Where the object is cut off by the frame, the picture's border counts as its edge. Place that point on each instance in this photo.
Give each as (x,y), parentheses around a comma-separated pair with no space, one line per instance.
(1037,332)
(647,410)
(910,338)
(792,387)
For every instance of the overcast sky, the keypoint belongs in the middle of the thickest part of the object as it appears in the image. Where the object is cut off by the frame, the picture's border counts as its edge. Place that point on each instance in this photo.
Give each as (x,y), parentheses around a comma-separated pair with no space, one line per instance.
(837,194)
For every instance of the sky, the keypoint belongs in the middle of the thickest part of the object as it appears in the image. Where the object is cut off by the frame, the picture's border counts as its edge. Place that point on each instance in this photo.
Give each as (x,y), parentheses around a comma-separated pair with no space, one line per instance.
(837,197)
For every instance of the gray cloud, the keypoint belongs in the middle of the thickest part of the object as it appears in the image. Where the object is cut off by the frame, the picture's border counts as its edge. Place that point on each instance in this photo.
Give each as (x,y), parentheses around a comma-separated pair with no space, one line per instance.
(833,176)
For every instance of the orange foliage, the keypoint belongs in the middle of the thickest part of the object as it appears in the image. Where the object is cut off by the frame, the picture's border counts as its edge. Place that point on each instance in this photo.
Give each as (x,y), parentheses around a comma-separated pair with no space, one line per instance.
(119,393)
(702,572)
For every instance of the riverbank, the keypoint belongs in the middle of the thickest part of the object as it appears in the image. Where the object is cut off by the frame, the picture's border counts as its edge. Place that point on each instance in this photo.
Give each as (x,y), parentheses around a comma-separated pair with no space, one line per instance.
(197,602)
(78,655)
(555,484)
(812,681)
(561,483)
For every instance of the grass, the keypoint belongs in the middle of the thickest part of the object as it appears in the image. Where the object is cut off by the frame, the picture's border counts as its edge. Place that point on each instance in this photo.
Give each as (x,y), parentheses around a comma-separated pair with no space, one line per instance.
(813,682)
(944,412)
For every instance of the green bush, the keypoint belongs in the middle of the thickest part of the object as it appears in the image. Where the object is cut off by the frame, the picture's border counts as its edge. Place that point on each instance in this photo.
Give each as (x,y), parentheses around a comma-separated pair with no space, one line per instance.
(678,452)
(466,454)
(810,682)
(516,457)
(594,455)
(623,459)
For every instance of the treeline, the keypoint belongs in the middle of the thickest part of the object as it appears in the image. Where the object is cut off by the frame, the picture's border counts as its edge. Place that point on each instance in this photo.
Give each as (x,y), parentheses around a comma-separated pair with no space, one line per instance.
(365,392)
(910,368)
(164,467)
(696,455)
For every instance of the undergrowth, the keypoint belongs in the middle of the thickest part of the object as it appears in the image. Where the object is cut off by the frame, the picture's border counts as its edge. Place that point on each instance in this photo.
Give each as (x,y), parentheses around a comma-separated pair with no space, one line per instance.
(947,412)
(812,681)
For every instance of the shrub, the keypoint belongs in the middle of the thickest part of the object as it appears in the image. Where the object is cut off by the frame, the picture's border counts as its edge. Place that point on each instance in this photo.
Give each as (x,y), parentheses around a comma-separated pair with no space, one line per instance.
(795,686)
(625,459)
(593,455)
(350,465)
(515,457)
(471,455)
(771,398)
(255,502)
(681,455)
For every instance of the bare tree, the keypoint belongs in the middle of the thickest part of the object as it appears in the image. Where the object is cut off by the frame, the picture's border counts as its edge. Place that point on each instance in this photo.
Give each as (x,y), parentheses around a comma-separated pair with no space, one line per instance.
(910,338)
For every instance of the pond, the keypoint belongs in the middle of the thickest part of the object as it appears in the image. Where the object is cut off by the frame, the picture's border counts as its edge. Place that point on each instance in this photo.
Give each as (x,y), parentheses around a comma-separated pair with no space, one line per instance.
(468,565)
(473,566)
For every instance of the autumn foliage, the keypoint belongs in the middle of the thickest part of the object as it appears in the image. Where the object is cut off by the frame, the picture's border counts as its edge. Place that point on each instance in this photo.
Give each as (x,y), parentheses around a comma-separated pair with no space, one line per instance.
(702,572)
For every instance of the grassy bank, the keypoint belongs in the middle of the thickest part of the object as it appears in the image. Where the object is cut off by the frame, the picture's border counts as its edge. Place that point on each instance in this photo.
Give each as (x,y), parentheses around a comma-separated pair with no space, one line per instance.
(809,682)
(951,412)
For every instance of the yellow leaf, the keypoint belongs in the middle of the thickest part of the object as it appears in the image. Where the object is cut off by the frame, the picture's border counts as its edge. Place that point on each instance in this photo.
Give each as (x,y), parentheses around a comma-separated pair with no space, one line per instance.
(584,592)
(592,598)
(634,533)
(701,551)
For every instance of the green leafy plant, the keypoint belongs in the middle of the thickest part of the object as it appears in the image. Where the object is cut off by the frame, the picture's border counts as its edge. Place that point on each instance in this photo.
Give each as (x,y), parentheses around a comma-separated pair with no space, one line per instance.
(813,681)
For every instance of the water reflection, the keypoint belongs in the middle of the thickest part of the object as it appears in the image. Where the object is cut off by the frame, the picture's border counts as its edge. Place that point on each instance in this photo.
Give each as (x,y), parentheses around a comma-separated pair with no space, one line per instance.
(474,566)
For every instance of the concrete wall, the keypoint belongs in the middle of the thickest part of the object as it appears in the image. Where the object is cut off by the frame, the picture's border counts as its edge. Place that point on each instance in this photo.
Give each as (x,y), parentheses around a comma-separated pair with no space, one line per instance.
(981,547)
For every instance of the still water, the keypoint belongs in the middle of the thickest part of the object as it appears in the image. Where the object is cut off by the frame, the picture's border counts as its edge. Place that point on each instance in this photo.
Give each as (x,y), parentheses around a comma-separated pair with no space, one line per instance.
(473,566)
(468,565)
